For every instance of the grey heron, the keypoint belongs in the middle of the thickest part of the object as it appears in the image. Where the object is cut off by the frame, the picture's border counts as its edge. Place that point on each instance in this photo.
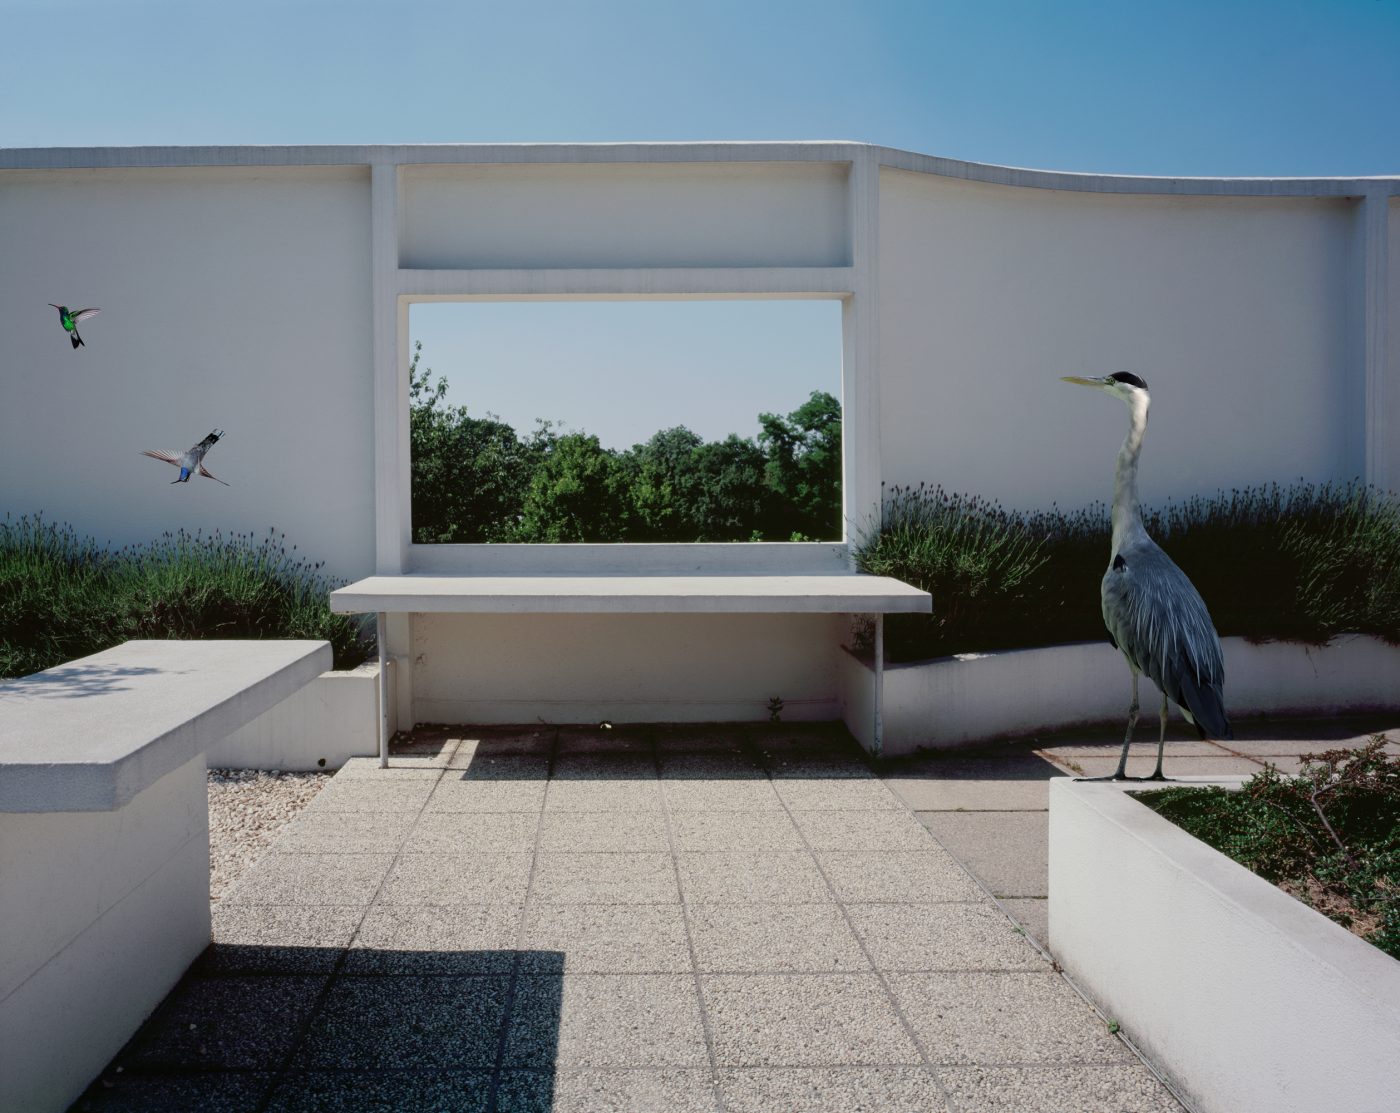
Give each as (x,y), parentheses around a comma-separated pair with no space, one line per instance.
(1154,614)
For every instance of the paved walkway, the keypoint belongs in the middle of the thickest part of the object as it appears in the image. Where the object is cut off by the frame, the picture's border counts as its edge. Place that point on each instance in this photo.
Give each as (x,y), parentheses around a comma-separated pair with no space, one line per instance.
(989,807)
(671,919)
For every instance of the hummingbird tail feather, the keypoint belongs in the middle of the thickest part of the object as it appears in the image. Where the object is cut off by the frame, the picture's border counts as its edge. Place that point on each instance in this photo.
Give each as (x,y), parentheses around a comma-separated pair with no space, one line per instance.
(77,340)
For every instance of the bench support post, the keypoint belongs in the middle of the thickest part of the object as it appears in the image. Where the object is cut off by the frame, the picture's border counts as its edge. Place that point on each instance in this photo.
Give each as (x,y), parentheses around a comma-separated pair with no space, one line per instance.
(879,732)
(381,637)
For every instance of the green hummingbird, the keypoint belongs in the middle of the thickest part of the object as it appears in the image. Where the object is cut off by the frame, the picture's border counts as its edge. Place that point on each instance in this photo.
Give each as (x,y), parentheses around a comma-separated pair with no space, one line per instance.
(70,318)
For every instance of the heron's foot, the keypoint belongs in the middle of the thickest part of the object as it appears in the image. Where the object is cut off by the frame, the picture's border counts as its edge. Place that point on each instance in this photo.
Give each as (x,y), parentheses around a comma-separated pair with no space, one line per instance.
(1110,777)
(1157,776)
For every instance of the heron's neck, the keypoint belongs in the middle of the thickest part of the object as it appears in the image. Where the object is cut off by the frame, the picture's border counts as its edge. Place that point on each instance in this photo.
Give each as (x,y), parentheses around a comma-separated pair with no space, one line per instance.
(1127,517)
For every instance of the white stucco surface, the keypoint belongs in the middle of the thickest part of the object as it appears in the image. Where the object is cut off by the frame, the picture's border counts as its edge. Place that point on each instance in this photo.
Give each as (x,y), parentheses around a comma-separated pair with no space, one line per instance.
(1248,1000)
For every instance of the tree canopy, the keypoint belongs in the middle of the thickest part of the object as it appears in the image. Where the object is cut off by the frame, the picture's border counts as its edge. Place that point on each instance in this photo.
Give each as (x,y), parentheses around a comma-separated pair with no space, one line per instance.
(475,479)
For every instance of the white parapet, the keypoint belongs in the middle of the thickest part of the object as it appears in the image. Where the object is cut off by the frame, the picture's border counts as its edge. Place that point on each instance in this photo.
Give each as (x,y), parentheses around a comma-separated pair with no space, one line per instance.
(101,912)
(1245,998)
(334,718)
(978,697)
(104,842)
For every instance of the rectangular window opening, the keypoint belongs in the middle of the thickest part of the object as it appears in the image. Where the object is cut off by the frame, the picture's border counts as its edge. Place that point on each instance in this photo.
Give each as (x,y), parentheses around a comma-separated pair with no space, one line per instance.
(547,422)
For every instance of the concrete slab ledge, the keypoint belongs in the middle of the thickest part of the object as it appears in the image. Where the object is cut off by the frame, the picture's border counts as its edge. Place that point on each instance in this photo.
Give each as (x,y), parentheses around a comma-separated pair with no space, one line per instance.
(1245,998)
(90,734)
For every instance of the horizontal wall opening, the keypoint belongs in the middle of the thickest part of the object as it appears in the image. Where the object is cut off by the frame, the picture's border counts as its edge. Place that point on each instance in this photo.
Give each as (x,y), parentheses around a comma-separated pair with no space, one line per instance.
(615,422)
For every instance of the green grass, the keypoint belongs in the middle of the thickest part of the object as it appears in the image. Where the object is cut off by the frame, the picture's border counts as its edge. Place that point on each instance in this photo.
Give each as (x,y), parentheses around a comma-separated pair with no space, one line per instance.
(1301,563)
(63,596)
(1330,836)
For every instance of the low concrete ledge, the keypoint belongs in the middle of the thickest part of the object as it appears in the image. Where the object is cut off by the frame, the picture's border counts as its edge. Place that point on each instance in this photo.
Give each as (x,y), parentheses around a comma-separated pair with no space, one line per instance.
(334,718)
(980,697)
(91,734)
(1246,999)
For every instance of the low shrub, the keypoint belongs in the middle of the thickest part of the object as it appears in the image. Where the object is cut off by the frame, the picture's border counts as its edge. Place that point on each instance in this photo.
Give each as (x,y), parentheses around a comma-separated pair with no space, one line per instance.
(1329,836)
(1301,563)
(63,596)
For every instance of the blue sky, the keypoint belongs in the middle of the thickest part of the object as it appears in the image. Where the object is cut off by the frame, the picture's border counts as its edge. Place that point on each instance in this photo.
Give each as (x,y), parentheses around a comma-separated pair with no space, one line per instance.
(1189,88)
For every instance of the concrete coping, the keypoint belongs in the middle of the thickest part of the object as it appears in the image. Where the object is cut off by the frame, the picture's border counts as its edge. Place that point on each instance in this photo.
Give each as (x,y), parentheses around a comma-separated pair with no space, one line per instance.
(90,734)
(848,593)
(1371,973)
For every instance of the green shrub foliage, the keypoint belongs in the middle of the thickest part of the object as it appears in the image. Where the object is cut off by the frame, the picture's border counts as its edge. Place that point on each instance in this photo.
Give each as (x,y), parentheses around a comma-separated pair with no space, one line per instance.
(63,596)
(1330,836)
(1301,563)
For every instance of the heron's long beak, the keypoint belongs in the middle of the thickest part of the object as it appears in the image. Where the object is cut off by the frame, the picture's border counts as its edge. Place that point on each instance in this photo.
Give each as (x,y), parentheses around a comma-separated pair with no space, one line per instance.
(1081,380)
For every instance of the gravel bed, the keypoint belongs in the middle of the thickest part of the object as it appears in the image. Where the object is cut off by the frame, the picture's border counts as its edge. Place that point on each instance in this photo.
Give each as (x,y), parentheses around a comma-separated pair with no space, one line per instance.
(247,808)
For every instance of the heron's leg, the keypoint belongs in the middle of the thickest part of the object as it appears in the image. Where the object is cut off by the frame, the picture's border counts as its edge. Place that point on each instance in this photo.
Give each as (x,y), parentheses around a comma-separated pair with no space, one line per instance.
(1121,773)
(1161,745)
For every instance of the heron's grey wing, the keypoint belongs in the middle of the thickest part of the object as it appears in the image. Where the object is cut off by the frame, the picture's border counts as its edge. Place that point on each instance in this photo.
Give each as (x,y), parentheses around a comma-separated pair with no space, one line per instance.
(168,457)
(84,314)
(1161,624)
(210,475)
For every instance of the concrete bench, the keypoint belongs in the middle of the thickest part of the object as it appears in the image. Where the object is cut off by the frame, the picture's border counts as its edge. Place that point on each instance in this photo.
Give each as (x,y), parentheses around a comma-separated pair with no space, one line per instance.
(602,593)
(104,842)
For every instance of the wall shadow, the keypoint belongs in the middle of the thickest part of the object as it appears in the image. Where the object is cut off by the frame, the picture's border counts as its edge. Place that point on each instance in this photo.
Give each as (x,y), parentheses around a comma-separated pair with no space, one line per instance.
(263,1028)
(72,681)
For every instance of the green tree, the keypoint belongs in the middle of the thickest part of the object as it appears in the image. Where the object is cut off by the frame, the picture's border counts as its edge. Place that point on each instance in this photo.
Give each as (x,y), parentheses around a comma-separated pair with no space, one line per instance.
(804,466)
(662,477)
(731,499)
(469,475)
(578,491)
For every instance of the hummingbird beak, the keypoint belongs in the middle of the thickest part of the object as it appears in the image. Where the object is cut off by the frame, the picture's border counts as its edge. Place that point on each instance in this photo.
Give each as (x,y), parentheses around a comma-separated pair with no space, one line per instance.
(55,306)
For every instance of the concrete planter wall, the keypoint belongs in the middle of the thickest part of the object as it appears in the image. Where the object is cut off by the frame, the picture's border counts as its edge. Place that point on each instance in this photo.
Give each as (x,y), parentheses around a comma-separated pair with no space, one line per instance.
(978,697)
(1246,999)
(333,718)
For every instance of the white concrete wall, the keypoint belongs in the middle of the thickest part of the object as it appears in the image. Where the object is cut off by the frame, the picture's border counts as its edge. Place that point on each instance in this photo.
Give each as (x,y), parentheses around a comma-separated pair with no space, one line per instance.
(1234,309)
(625,668)
(231,298)
(1245,998)
(650,215)
(265,291)
(102,914)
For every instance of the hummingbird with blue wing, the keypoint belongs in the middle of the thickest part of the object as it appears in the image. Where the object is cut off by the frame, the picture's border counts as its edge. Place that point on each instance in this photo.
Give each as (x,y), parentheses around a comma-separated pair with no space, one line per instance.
(69,319)
(191,460)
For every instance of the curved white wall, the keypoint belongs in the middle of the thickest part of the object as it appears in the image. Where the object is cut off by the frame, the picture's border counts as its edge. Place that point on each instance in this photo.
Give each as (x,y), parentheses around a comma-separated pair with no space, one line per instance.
(1234,309)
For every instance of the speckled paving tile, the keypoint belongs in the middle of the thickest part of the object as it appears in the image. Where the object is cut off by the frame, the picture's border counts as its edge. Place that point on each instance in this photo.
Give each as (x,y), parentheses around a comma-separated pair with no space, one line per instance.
(636,1090)
(330,832)
(455,795)
(364,1091)
(834,794)
(1129,1088)
(969,1017)
(606,1020)
(583,832)
(863,830)
(832,1090)
(306,879)
(370,1023)
(134,1091)
(457,878)
(226,1022)
(604,878)
(743,794)
(279,938)
(893,876)
(436,939)
(754,832)
(792,938)
(612,795)
(942,937)
(736,877)
(472,832)
(608,938)
(804,1020)
(369,794)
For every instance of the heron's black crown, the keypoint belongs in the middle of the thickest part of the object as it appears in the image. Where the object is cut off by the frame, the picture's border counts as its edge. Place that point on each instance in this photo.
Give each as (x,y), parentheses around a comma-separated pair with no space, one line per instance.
(1129,378)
